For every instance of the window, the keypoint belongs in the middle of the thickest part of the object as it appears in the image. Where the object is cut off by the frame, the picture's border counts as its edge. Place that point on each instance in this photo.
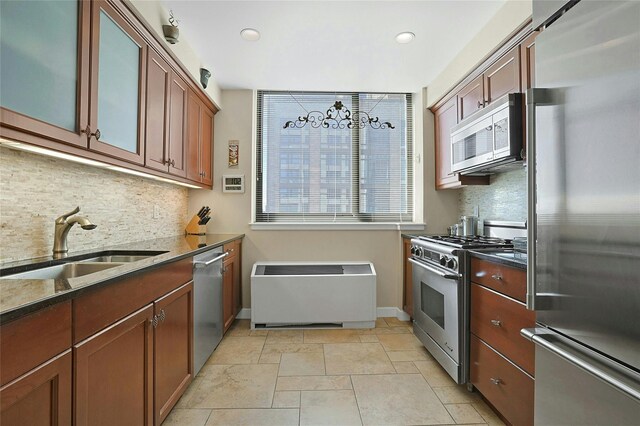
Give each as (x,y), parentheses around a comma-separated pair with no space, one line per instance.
(330,174)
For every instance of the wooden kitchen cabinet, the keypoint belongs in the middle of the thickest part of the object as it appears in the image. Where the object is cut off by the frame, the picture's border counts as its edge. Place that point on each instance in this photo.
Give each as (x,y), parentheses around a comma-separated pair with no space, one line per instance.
(502,363)
(228,278)
(45,89)
(199,140)
(471,98)
(173,345)
(166,117)
(40,397)
(407,277)
(118,85)
(96,102)
(35,368)
(507,388)
(445,117)
(114,373)
(231,283)
(502,77)
(528,61)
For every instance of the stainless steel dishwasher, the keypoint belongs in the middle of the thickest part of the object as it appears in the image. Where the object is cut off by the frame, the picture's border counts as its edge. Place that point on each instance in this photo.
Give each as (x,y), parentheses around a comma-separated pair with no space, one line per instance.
(208,324)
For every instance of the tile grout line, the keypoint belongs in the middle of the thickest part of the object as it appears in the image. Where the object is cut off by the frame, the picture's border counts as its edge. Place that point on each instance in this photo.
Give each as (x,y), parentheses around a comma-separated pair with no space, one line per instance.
(356,397)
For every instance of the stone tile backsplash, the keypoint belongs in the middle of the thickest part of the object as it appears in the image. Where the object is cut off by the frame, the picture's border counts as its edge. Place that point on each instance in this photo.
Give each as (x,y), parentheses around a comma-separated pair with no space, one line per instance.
(505,198)
(35,189)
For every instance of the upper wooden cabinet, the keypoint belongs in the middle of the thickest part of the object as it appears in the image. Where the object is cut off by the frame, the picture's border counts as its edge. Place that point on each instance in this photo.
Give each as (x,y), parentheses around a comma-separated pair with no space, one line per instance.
(166,117)
(96,83)
(199,140)
(44,75)
(528,61)
(503,76)
(512,72)
(118,76)
(471,98)
(446,116)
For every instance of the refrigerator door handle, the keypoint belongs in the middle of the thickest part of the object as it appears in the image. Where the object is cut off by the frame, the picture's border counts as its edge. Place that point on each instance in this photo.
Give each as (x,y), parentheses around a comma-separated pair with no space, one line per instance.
(615,375)
(534,98)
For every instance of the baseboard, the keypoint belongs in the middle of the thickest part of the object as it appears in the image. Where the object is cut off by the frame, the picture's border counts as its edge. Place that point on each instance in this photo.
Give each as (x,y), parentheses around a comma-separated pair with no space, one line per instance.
(391,311)
(245,313)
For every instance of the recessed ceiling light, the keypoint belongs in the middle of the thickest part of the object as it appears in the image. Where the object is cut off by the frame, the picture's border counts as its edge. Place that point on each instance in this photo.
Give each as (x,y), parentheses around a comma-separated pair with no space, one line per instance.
(250,34)
(405,37)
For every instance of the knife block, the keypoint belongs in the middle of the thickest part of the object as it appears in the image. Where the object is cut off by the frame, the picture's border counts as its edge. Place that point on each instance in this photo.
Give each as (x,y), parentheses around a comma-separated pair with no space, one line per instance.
(193,228)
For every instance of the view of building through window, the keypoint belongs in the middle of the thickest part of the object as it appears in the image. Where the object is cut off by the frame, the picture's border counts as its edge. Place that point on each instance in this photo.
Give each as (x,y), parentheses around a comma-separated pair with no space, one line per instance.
(341,174)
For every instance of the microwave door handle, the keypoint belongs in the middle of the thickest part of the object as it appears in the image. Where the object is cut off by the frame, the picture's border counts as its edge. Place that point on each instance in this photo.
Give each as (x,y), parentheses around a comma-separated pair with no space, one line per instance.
(442,274)
(535,97)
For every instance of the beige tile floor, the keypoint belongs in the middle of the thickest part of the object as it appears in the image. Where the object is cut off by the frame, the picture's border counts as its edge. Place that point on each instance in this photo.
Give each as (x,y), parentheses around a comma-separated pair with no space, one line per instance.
(379,376)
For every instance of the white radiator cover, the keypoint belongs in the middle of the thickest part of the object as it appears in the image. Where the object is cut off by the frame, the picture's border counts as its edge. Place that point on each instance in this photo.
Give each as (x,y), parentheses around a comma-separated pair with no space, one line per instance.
(305,299)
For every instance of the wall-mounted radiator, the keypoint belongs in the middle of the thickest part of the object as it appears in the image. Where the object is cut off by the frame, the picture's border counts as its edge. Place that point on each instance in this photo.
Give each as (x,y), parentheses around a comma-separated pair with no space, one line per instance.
(313,293)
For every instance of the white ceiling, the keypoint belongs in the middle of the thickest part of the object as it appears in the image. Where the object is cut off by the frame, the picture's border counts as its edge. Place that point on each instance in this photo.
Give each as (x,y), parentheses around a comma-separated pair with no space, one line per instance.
(329,45)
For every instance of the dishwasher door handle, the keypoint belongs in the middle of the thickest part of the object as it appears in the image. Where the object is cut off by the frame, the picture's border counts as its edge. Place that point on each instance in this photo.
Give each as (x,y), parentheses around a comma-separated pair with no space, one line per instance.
(197,264)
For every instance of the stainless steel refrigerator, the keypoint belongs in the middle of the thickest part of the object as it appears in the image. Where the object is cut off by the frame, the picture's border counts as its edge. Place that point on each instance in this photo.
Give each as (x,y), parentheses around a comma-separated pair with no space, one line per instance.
(584,232)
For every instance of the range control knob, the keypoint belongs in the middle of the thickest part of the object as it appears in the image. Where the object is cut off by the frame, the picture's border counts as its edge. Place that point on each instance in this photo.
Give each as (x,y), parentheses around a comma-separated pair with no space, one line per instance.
(452,263)
(418,252)
(444,260)
(413,249)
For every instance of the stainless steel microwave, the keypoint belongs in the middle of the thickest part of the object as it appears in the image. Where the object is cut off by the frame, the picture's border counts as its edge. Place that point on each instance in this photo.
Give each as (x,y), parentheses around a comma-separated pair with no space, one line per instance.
(490,138)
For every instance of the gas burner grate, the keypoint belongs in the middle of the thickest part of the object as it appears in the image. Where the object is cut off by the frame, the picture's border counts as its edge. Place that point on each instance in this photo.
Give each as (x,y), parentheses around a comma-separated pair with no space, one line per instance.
(467,242)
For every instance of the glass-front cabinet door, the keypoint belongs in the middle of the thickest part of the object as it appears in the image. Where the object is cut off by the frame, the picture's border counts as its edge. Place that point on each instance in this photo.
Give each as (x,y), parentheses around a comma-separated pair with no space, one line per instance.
(44,68)
(118,64)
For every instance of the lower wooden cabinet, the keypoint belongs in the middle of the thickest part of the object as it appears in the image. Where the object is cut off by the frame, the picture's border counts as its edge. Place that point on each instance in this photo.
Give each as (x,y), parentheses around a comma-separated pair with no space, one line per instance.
(407,277)
(228,278)
(143,361)
(509,389)
(40,397)
(114,373)
(231,283)
(502,363)
(173,346)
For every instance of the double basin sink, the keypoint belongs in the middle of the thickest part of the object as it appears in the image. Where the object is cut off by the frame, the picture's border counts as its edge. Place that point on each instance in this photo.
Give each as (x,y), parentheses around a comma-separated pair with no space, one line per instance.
(82,265)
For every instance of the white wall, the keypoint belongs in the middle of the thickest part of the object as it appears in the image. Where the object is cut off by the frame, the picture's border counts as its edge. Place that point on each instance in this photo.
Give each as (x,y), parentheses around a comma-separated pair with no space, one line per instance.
(156,15)
(509,18)
(232,212)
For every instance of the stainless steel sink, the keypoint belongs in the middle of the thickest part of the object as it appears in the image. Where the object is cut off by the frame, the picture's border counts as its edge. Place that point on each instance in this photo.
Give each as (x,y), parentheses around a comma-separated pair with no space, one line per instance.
(117,258)
(64,271)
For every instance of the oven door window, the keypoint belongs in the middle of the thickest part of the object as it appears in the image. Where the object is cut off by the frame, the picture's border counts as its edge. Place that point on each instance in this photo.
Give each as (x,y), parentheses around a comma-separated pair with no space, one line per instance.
(432,304)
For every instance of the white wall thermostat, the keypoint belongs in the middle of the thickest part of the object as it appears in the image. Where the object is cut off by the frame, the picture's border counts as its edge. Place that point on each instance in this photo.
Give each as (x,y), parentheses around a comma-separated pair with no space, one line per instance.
(233,183)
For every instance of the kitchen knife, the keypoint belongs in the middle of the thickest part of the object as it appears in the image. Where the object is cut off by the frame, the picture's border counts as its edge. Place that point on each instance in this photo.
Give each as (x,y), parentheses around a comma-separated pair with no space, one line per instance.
(200,212)
(206,212)
(205,220)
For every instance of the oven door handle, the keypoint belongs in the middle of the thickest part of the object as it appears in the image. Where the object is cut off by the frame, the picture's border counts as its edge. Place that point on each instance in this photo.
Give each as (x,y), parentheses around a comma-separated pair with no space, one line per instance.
(446,275)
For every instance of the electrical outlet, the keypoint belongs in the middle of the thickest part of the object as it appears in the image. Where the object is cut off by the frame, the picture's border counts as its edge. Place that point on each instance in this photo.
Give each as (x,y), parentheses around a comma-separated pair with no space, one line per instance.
(156,211)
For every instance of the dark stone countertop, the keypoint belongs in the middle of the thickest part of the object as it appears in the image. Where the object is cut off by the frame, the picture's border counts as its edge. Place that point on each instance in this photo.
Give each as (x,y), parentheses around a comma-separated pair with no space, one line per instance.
(508,257)
(19,297)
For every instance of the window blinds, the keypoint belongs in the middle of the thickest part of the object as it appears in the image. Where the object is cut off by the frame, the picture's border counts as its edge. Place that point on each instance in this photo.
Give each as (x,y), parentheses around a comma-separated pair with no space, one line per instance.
(338,175)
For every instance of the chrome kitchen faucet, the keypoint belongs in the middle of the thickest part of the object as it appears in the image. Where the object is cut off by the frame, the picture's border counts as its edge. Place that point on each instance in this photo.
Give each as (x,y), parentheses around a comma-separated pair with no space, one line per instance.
(63,226)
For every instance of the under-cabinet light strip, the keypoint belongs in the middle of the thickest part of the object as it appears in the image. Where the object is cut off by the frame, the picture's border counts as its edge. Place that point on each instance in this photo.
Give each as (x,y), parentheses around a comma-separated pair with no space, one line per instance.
(68,157)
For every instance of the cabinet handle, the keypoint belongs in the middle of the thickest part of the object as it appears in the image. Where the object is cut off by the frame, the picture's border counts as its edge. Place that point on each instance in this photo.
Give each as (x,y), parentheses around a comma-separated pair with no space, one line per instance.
(154,321)
(497,277)
(97,133)
(489,128)
(495,381)
(172,163)
(162,315)
(480,104)
(496,323)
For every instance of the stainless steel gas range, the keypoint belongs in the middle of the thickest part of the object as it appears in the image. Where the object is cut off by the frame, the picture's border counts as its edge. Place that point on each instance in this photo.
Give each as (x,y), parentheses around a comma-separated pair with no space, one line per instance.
(441,297)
